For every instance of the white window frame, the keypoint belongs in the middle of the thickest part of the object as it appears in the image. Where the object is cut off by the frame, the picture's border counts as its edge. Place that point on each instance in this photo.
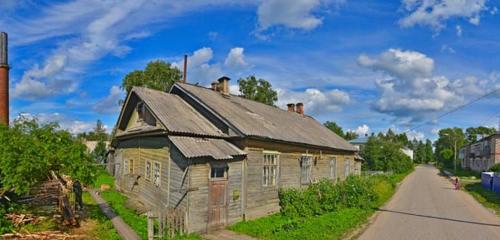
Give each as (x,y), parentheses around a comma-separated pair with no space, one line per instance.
(270,168)
(148,171)
(156,178)
(306,161)
(333,168)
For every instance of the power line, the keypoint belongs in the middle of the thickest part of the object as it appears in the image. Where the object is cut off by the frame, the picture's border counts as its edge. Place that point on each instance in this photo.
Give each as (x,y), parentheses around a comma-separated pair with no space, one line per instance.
(455,109)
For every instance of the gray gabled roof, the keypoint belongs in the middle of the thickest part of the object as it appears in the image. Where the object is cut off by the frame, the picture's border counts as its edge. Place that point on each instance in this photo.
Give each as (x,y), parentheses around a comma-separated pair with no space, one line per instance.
(218,149)
(260,120)
(175,114)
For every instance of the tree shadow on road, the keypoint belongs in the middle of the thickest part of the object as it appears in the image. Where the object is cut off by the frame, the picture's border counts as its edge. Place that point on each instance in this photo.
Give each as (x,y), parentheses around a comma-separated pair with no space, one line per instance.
(440,218)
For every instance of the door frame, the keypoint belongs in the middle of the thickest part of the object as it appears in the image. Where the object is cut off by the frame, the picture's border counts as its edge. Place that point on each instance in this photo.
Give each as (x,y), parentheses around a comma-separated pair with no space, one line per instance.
(220,180)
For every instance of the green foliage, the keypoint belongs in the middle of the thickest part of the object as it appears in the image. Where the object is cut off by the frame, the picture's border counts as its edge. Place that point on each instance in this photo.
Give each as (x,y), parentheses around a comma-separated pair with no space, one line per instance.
(324,210)
(472,133)
(98,133)
(99,153)
(349,135)
(258,90)
(158,75)
(383,153)
(5,225)
(495,168)
(29,151)
(450,141)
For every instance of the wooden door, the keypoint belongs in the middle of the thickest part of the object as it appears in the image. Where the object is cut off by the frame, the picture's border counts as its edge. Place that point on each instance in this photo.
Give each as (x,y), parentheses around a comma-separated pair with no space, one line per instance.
(218,200)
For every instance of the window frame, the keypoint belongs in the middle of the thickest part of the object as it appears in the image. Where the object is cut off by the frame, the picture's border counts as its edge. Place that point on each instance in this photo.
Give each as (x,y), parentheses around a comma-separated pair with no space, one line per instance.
(347,167)
(333,168)
(156,163)
(306,169)
(131,166)
(126,167)
(148,173)
(270,168)
(218,165)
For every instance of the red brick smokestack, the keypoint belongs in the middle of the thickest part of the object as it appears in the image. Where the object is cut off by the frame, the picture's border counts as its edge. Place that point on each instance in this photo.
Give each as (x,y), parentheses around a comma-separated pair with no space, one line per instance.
(4,80)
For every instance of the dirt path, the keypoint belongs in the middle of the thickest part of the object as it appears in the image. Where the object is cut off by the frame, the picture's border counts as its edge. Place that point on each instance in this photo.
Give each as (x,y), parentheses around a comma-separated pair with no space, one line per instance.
(427,207)
(121,227)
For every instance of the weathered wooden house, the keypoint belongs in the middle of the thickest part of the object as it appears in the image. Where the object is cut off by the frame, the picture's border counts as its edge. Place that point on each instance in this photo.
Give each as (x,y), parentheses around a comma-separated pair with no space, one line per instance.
(220,158)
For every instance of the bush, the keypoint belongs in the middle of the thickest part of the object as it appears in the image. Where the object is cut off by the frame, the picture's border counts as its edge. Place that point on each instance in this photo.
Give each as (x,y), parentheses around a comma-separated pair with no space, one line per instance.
(323,197)
(495,168)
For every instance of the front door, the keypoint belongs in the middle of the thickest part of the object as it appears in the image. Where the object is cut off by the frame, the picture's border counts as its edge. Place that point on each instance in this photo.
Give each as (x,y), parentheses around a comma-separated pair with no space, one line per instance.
(218,200)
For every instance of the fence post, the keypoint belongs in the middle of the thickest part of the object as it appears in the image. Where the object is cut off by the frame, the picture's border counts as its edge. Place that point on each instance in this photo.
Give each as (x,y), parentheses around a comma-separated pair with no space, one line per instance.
(150,225)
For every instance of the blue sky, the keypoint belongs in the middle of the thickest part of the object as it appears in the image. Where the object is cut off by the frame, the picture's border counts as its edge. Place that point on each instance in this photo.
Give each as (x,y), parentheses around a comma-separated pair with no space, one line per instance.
(368,65)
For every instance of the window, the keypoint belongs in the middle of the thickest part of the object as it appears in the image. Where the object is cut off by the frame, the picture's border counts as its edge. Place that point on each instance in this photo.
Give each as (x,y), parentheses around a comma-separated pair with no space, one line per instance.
(270,169)
(131,166)
(333,168)
(125,166)
(141,109)
(217,172)
(347,167)
(156,173)
(305,169)
(147,173)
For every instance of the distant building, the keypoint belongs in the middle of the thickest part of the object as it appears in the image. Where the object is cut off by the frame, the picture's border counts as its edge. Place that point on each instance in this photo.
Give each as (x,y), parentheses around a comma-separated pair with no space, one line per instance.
(482,154)
(91,145)
(360,142)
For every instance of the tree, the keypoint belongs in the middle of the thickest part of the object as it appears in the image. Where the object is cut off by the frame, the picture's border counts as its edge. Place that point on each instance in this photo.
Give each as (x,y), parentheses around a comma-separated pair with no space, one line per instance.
(99,133)
(429,154)
(445,145)
(384,155)
(158,75)
(30,151)
(472,133)
(100,150)
(334,127)
(350,135)
(258,90)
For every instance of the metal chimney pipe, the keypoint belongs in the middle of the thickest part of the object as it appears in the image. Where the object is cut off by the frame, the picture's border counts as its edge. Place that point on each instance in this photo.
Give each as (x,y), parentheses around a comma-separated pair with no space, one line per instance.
(184,80)
(4,79)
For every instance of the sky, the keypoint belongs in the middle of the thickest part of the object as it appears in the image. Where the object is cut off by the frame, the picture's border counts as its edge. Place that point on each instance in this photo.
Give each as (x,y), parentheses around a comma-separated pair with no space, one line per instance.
(368,65)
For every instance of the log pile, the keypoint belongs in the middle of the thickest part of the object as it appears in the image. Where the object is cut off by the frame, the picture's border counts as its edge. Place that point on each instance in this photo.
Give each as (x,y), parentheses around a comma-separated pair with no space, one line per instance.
(22,219)
(45,235)
(47,194)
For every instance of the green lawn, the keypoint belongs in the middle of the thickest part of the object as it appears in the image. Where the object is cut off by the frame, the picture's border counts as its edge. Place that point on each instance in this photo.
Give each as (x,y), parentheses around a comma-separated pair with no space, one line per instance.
(484,196)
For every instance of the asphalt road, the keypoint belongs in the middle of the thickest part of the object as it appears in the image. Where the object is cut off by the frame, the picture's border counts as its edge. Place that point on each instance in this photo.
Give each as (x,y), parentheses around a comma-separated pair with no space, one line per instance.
(427,207)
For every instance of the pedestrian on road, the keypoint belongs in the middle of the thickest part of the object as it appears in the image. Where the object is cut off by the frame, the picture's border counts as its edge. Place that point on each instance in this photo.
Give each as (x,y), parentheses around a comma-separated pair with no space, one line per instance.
(457,184)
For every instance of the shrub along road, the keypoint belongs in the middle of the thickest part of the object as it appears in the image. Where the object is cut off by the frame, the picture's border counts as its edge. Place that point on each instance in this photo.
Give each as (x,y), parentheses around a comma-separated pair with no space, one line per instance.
(427,207)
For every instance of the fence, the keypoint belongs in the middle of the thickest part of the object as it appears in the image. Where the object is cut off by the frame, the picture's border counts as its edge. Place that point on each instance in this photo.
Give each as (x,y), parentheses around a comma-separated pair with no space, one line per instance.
(166,223)
(491,181)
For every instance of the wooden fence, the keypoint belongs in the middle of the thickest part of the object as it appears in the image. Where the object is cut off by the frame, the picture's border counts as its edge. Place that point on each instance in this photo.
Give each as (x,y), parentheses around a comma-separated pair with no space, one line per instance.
(166,223)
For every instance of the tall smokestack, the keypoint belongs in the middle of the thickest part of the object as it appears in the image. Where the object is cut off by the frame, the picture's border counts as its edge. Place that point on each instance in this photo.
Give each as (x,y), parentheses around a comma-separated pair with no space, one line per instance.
(4,80)
(184,78)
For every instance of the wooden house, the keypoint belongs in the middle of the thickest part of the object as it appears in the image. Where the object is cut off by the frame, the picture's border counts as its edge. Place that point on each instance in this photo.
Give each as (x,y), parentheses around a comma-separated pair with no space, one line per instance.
(219,158)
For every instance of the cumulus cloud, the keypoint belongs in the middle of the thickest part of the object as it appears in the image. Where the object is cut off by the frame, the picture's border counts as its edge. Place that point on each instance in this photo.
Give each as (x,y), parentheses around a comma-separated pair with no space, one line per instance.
(109,104)
(200,69)
(410,90)
(362,130)
(316,102)
(65,122)
(84,32)
(434,13)
(298,14)
(235,58)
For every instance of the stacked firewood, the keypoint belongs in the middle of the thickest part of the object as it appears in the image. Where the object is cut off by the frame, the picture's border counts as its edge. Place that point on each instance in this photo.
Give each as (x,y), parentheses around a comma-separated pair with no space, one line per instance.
(22,219)
(45,235)
(46,194)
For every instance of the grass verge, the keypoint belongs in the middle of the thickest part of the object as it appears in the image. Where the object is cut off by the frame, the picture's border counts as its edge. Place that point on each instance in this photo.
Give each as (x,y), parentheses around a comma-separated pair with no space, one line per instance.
(332,225)
(117,201)
(484,196)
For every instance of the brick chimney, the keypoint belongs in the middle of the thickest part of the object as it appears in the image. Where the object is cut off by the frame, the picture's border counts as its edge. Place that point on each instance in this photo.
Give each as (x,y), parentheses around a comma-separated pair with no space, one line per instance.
(300,108)
(214,85)
(291,107)
(224,85)
(4,79)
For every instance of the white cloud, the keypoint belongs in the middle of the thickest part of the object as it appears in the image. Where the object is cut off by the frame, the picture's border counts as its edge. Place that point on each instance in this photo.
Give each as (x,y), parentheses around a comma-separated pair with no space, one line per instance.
(448,49)
(199,68)
(435,13)
(65,122)
(297,14)
(109,104)
(84,32)
(409,88)
(415,135)
(316,102)
(362,130)
(235,58)
(459,30)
